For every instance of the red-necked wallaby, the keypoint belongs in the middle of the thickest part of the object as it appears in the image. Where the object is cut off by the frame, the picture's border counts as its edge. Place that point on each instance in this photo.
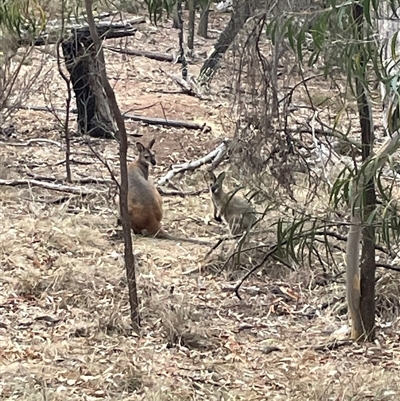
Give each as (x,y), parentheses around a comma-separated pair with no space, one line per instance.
(144,201)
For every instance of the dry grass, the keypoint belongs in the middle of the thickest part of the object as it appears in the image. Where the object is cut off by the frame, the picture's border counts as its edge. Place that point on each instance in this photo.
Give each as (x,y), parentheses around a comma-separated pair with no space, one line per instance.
(64,314)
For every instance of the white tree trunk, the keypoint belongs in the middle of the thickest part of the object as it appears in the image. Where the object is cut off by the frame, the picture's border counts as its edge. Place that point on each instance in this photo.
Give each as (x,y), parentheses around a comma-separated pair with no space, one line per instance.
(387,24)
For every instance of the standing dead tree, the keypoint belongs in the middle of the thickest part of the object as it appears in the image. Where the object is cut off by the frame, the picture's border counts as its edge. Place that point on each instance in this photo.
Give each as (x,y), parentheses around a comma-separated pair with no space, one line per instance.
(80,56)
(94,116)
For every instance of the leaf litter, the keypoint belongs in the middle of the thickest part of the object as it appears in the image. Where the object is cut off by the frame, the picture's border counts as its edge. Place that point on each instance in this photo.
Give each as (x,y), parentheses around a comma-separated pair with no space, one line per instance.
(64,312)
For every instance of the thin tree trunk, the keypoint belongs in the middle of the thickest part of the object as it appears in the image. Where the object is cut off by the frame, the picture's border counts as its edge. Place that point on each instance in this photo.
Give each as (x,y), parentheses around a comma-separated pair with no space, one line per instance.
(367,202)
(67,100)
(175,16)
(192,18)
(202,29)
(123,146)
(181,44)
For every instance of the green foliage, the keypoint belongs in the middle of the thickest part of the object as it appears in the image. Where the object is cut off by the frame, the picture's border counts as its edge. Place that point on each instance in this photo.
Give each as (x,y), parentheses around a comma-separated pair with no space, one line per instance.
(337,42)
(156,8)
(21,17)
(299,239)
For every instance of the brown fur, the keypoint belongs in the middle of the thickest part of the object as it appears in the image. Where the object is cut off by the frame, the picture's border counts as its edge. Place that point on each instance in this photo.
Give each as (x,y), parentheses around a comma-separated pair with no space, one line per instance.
(144,201)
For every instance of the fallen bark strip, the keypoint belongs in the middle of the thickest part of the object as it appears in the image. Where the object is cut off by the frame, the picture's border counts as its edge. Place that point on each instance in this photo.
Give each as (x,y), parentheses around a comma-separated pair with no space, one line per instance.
(34,140)
(85,180)
(134,117)
(215,157)
(49,185)
(171,58)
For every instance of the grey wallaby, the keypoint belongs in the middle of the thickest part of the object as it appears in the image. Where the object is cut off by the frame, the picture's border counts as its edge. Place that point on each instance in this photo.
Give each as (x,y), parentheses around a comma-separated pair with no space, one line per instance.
(237,212)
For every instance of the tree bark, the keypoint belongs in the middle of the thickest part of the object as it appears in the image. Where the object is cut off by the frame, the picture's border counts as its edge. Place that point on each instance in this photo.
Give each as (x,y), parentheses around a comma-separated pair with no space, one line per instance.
(241,13)
(94,115)
(175,17)
(192,18)
(181,42)
(363,326)
(202,29)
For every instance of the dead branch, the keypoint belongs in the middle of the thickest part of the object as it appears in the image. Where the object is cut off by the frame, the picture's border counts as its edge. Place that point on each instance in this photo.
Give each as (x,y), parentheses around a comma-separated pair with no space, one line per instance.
(127,116)
(123,146)
(180,193)
(329,346)
(215,156)
(274,248)
(81,162)
(81,23)
(171,58)
(344,238)
(213,248)
(68,100)
(49,185)
(251,271)
(167,123)
(188,86)
(388,267)
(80,19)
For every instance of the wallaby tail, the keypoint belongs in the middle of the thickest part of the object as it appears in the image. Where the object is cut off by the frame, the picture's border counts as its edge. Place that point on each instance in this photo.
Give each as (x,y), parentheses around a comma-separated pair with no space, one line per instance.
(164,235)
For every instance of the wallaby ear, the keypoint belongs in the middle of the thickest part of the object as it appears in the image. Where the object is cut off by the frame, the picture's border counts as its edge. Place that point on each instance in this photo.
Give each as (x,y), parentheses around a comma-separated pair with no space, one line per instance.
(211,175)
(221,177)
(151,143)
(140,147)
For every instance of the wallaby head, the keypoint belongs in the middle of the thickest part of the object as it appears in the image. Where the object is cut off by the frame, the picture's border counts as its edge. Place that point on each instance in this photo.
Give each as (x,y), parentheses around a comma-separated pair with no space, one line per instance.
(146,155)
(216,192)
(216,184)
(145,158)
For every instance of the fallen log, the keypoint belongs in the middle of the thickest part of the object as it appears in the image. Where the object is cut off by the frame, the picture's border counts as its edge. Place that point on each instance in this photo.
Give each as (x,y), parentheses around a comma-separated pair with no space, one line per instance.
(146,120)
(106,30)
(167,123)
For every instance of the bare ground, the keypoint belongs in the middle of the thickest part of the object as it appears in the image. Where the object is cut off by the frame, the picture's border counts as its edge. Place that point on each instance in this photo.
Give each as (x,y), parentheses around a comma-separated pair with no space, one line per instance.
(64,312)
